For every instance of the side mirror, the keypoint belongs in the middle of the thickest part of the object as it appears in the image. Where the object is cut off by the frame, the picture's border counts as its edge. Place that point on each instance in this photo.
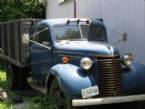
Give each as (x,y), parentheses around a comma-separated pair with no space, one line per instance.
(26,39)
(124,37)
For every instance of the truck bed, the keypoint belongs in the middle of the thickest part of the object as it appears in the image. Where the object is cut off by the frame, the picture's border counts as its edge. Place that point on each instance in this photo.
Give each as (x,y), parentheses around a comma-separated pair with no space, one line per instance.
(12,48)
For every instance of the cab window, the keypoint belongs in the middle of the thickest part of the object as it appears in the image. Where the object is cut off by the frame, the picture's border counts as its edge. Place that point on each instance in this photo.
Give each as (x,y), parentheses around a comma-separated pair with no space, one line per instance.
(42,36)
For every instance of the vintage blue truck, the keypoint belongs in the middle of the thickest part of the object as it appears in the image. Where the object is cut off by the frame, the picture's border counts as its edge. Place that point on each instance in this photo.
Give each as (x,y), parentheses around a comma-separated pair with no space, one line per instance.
(70,60)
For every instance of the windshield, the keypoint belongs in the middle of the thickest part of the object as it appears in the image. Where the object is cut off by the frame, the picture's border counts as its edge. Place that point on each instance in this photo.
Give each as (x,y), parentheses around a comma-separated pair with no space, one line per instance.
(80,32)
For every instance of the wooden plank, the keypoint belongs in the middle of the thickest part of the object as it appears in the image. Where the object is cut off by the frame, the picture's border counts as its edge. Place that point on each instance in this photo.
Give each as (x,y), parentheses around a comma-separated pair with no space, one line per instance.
(8,39)
(15,51)
(0,35)
(14,62)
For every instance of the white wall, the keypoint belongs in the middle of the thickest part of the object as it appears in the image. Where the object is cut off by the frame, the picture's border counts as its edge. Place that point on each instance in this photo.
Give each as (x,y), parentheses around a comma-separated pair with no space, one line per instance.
(55,10)
(119,16)
(131,19)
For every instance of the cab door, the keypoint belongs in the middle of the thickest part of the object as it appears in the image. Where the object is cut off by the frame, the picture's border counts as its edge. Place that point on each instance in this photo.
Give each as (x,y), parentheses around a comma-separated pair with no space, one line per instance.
(41,54)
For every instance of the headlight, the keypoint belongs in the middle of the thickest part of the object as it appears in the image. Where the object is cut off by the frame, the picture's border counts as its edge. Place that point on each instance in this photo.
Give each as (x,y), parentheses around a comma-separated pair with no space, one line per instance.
(86,63)
(127,60)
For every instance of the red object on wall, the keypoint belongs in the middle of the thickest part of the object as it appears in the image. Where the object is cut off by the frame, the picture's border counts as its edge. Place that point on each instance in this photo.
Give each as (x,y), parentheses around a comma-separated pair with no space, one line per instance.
(75,8)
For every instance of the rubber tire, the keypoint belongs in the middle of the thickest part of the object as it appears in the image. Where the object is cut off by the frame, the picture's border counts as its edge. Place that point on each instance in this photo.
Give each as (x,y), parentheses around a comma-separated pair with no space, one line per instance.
(2,67)
(56,93)
(12,77)
(16,78)
(22,75)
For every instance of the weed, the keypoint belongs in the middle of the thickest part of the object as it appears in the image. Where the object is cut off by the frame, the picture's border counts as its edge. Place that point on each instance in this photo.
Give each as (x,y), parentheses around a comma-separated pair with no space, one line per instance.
(38,102)
(42,102)
(5,104)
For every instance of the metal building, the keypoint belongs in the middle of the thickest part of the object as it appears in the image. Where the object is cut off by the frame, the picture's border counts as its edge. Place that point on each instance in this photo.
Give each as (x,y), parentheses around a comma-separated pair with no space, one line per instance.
(120,16)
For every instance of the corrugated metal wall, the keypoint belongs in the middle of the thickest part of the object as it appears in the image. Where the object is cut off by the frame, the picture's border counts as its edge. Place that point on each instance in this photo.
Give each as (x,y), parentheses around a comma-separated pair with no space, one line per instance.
(55,10)
(119,16)
(131,19)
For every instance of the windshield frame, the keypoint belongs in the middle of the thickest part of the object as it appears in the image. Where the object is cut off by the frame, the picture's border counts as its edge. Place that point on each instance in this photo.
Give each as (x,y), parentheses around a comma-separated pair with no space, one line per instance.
(81,35)
(64,25)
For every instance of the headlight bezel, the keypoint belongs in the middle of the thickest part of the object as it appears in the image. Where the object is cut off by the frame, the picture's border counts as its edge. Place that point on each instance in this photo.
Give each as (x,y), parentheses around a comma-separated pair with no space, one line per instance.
(86,63)
(127,60)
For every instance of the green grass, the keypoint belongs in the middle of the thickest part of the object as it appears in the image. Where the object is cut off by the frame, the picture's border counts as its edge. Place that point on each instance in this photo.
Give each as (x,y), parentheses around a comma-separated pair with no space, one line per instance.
(38,102)
(8,103)
(42,102)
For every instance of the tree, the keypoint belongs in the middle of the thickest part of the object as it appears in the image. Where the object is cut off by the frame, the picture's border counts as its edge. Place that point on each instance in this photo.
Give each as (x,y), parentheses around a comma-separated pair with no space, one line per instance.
(14,9)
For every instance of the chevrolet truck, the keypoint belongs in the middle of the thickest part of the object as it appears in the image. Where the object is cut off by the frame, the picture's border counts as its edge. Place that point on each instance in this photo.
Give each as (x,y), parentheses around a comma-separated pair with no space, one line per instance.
(71,61)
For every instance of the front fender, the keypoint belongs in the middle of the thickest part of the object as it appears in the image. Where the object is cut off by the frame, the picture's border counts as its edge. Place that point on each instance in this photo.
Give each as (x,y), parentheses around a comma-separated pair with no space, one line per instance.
(133,79)
(72,79)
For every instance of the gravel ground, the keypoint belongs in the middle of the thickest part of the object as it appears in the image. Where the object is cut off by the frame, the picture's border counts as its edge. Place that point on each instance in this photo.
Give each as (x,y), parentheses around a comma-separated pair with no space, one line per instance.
(20,103)
(21,106)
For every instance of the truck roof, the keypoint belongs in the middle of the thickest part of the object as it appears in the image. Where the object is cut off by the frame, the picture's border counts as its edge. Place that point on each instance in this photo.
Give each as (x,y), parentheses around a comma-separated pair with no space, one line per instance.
(58,21)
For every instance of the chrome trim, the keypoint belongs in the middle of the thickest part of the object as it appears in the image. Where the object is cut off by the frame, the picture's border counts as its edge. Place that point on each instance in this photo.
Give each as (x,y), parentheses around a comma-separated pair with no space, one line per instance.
(39,89)
(109,75)
(108,100)
(108,56)
(70,56)
(42,61)
(49,48)
(39,32)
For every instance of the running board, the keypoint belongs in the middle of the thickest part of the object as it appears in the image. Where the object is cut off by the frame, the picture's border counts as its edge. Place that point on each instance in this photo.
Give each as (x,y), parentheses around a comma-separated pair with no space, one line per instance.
(39,89)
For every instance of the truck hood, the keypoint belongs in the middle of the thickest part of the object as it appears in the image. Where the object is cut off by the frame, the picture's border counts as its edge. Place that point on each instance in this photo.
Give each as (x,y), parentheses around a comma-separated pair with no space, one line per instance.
(87,47)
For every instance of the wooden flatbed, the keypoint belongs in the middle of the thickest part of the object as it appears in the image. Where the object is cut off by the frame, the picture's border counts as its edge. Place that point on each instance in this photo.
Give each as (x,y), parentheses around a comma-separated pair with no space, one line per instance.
(12,48)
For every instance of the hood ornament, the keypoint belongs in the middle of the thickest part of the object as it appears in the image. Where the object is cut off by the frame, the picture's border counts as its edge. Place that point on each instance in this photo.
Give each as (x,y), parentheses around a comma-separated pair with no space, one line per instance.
(110,48)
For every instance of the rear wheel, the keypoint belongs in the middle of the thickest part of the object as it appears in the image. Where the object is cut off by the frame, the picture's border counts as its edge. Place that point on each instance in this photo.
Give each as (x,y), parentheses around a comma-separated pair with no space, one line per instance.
(22,74)
(16,77)
(60,101)
(2,64)
(11,76)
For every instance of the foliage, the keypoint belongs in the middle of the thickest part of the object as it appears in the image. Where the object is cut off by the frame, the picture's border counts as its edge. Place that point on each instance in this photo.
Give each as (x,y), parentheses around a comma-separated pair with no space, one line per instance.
(68,34)
(5,104)
(72,34)
(38,102)
(42,102)
(14,9)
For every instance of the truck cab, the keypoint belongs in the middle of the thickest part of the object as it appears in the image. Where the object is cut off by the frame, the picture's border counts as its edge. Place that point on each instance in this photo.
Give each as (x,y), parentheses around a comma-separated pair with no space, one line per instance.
(62,38)
(72,60)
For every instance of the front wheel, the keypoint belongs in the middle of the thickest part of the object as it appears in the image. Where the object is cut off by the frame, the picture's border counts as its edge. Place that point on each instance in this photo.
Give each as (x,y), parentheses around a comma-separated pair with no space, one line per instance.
(60,101)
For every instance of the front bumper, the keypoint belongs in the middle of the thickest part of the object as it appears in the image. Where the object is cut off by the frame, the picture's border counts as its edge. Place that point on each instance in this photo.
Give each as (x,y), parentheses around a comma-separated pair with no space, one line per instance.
(108,100)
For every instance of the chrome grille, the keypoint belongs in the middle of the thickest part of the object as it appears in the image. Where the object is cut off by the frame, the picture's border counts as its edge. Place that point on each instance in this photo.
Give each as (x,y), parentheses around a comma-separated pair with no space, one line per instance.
(109,75)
